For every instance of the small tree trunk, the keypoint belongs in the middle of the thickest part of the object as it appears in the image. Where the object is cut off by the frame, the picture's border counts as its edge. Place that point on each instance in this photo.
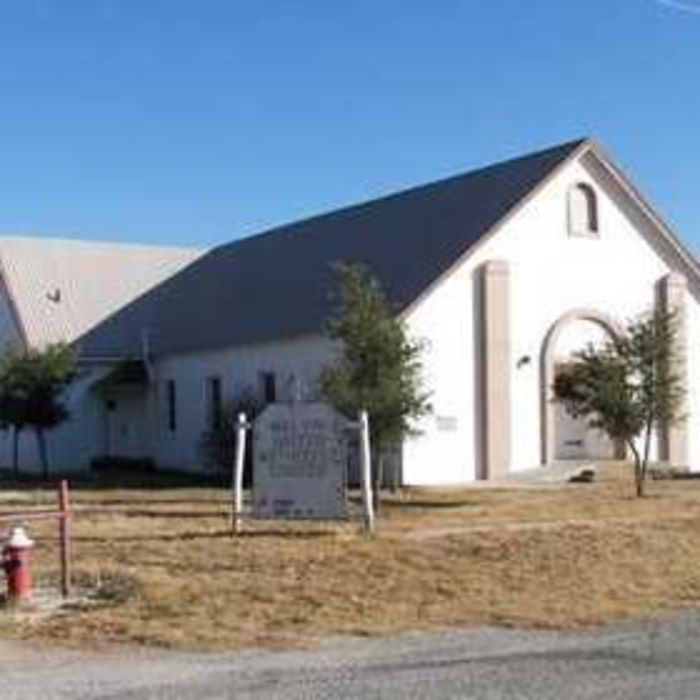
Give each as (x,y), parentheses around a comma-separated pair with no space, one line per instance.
(395,477)
(638,474)
(378,464)
(647,447)
(15,451)
(43,455)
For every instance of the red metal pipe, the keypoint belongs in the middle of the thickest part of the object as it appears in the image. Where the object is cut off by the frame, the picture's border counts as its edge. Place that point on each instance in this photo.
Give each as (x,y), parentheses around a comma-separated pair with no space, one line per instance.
(64,532)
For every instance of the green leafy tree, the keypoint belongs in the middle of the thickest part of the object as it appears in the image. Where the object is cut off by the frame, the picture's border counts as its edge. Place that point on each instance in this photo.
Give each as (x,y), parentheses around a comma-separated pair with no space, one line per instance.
(32,383)
(379,368)
(12,410)
(628,387)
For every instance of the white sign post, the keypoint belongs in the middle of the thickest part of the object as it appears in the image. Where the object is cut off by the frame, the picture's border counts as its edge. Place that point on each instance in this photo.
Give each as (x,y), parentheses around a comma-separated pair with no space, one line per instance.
(366,467)
(238,466)
(300,463)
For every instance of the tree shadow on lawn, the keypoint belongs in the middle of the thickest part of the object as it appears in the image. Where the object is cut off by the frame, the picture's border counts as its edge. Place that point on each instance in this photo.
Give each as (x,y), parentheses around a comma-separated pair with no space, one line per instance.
(186,536)
(115,504)
(398,502)
(431,504)
(127,512)
(224,534)
(125,479)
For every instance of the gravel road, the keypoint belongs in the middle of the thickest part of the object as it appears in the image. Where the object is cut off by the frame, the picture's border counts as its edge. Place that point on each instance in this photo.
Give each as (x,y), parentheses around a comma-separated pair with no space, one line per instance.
(656,659)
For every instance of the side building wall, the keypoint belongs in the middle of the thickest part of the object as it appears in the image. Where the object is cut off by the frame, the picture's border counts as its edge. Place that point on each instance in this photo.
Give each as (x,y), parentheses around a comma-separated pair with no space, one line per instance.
(177,442)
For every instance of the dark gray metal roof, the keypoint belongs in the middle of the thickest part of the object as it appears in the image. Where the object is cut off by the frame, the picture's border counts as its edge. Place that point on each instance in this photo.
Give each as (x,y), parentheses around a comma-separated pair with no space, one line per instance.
(276,284)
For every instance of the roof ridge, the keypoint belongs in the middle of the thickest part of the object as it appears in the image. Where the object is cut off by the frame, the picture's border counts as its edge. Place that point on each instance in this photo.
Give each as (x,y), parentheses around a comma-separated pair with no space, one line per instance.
(277,281)
(566,147)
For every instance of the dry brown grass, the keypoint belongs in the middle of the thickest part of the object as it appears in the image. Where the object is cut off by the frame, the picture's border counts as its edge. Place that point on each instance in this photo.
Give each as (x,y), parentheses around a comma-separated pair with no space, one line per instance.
(547,557)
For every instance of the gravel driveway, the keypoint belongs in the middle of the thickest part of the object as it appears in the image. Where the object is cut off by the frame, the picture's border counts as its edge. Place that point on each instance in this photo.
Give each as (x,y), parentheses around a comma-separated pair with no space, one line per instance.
(655,660)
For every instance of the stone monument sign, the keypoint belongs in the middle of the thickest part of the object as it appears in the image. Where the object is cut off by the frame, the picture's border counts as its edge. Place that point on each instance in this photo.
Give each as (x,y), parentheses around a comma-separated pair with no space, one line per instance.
(299,462)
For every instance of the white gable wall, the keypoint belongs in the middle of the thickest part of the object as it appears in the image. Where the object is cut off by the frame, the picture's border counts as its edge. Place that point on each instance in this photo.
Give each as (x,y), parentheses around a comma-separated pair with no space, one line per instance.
(551,274)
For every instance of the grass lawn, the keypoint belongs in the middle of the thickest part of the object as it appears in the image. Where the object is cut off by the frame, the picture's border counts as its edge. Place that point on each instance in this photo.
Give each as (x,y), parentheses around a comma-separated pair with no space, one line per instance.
(549,556)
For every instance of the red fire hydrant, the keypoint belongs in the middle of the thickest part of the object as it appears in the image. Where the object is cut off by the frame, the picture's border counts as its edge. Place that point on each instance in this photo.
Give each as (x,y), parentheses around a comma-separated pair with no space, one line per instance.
(16,562)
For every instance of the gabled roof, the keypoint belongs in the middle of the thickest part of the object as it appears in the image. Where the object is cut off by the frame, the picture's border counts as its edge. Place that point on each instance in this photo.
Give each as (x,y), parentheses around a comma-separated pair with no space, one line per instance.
(60,289)
(276,284)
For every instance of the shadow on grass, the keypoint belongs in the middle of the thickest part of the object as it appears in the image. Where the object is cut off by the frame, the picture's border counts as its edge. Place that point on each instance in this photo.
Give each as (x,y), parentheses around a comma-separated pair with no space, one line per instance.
(187,536)
(396,502)
(155,514)
(126,480)
(114,505)
(286,534)
(430,504)
(223,534)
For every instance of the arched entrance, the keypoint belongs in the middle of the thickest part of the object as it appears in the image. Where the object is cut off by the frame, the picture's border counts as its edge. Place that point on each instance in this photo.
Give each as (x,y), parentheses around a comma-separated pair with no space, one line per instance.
(572,440)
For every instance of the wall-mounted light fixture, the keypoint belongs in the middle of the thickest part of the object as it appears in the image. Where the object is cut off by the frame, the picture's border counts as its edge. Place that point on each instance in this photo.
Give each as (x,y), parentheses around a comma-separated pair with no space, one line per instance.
(523,361)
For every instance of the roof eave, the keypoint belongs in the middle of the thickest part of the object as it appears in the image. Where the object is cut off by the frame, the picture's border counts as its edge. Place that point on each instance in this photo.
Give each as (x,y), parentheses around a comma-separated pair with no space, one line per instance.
(648,209)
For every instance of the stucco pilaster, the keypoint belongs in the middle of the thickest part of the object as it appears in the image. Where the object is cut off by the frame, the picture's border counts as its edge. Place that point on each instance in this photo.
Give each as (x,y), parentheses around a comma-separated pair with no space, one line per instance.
(496,352)
(671,298)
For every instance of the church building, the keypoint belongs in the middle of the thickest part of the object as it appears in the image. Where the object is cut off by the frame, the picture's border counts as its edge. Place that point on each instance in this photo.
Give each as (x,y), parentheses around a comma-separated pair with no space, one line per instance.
(505,273)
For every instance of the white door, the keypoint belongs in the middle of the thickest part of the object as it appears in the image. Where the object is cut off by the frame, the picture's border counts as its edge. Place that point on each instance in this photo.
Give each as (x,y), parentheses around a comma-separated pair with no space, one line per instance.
(575,440)
(126,426)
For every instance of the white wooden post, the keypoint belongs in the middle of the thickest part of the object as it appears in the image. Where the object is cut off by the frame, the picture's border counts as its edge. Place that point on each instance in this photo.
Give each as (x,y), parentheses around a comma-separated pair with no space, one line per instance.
(237,481)
(366,465)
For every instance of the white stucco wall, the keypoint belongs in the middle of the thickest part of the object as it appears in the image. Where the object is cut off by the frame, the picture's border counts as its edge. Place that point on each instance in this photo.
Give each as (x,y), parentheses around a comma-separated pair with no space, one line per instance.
(238,368)
(577,336)
(693,368)
(551,274)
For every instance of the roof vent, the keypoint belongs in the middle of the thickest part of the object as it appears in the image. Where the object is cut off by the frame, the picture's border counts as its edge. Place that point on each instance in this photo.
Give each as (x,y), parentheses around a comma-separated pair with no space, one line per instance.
(54,295)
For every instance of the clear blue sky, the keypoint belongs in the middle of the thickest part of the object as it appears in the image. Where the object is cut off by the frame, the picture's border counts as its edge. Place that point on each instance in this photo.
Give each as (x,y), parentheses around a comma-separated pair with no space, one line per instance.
(198,121)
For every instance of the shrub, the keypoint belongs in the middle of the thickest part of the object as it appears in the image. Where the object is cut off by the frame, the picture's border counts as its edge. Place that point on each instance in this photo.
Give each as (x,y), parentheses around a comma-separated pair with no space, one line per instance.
(116,464)
(217,445)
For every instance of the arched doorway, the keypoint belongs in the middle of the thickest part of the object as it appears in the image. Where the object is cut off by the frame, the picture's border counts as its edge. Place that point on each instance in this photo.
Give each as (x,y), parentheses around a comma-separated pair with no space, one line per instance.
(564,437)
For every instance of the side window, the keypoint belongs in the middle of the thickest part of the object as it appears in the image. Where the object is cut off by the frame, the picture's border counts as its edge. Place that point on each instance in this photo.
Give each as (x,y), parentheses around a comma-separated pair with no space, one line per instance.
(268,387)
(583,211)
(213,402)
(171,399)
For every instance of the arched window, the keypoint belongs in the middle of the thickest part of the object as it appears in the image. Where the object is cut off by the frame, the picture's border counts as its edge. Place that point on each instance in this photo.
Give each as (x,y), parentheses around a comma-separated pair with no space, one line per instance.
(583,211)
